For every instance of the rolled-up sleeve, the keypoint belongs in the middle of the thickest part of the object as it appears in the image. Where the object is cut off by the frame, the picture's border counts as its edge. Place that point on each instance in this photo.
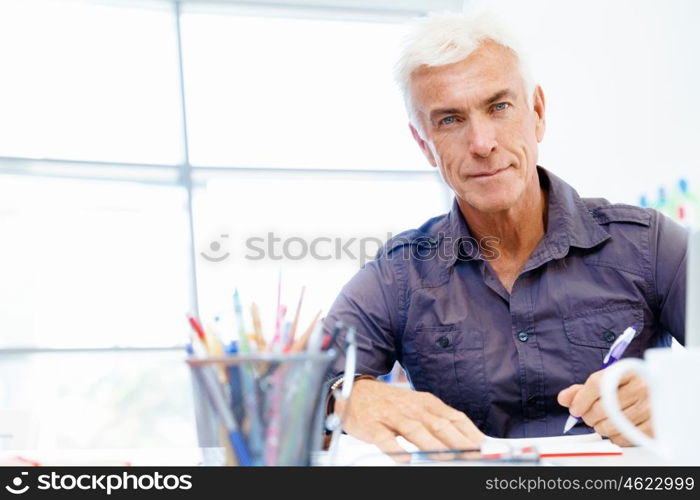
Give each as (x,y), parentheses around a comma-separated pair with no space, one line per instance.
(670,251)
(369,302)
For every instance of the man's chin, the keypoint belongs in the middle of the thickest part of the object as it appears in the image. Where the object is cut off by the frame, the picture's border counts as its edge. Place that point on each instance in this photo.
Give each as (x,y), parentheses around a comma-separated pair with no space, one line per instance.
(488,204)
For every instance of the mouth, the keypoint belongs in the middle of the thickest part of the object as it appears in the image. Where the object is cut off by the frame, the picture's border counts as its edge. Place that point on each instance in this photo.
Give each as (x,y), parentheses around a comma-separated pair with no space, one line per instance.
(487,174)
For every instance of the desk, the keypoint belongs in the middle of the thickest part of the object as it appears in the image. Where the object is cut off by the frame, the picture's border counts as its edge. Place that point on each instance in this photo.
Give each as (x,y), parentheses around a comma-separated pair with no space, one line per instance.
(352,451)
(633,456)
(146,457)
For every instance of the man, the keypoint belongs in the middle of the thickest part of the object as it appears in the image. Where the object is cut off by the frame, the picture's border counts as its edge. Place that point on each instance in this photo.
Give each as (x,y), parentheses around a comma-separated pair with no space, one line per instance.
(502,310)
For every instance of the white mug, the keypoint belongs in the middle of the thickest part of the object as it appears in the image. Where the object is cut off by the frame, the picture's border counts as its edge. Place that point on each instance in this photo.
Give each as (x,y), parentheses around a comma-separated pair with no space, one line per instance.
(672,377)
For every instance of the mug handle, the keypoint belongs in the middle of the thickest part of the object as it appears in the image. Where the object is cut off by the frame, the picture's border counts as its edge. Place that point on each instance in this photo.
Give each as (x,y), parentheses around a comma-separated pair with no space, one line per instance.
(608,393)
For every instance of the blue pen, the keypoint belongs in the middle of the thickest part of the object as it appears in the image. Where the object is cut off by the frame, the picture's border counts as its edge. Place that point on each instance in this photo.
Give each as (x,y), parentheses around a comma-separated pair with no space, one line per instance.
(235,384)
(616,351)
(250,393)
(209,382)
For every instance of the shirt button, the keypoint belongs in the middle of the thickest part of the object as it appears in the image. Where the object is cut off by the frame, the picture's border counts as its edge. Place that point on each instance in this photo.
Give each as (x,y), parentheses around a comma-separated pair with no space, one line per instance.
(522,337)
(443,341)
(610,336)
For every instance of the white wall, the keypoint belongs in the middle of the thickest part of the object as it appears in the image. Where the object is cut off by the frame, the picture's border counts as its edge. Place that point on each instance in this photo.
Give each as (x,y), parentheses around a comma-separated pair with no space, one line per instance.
(621,80)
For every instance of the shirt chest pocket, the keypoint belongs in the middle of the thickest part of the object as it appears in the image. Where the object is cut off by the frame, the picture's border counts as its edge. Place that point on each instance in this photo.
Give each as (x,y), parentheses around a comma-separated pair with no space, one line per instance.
(591,333)
(448,361)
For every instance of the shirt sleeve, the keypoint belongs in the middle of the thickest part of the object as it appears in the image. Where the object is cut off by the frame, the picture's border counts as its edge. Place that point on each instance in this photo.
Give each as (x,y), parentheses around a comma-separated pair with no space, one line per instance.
(670,252)
(369,302)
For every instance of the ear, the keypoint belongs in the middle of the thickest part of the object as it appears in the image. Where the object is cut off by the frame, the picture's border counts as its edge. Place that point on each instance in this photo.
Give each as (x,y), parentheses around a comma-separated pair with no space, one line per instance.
(538,106)
(423,145)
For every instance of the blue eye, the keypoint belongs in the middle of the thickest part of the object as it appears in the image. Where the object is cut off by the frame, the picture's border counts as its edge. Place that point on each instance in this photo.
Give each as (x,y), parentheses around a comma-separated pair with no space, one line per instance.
(448,120)
(501,106)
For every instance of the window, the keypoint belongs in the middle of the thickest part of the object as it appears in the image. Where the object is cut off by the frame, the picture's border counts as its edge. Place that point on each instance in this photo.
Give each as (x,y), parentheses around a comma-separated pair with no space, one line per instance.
(316,230)
(89,81)
(101,399)
(288,92)
(289,125)
(92,263)
(313,97)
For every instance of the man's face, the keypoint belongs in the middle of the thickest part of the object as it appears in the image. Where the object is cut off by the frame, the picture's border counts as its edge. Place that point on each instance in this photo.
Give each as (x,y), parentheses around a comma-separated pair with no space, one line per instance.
(478,128)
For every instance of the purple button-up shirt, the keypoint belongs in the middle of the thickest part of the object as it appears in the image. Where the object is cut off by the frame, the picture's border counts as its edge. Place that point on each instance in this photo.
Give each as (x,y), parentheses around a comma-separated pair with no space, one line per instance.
(431,301)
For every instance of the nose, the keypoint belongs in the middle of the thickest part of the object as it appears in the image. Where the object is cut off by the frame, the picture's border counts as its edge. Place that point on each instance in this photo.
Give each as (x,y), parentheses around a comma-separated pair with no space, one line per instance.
(481,137)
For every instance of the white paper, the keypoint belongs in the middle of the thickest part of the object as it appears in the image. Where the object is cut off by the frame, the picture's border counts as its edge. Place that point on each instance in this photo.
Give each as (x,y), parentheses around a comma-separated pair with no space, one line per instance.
(352,451)
(581,444)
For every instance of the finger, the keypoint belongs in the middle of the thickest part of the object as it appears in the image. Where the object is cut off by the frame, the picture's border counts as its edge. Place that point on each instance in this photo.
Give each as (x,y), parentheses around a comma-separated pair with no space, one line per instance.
(470,431)
(586,396)
(646,427)
(630,394)
(459,420)
(415,432)
(595,414)
(637,414)
(385,440)
(447,432)
(566,396)
(619,440)
(634,390)
(590,392)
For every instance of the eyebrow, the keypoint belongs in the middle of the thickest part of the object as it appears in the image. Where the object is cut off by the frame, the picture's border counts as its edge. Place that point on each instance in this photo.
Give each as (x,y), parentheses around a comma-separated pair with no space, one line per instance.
(494,98)
(499,95)
(443,111)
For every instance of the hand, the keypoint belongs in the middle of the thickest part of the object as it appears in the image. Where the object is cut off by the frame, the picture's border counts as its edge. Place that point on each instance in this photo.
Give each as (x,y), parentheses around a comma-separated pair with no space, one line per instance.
(584,401)
(377,413)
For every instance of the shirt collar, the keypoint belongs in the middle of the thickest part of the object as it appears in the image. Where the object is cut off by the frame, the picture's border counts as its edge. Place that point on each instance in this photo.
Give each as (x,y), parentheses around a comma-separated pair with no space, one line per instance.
(569,224)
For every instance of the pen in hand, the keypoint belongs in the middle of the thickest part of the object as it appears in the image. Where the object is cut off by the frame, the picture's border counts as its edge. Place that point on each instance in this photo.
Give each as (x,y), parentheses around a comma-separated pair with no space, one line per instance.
(616,351)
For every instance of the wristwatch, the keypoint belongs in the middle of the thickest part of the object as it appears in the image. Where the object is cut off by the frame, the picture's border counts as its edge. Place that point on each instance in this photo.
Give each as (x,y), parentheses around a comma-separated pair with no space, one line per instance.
(336,384)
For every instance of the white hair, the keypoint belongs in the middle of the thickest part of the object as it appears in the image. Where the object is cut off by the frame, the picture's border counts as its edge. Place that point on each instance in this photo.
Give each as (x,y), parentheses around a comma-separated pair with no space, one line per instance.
(441,39)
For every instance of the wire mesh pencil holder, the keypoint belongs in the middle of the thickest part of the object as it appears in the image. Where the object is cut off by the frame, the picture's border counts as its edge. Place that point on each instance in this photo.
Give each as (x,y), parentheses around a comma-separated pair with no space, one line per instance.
(266,408)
